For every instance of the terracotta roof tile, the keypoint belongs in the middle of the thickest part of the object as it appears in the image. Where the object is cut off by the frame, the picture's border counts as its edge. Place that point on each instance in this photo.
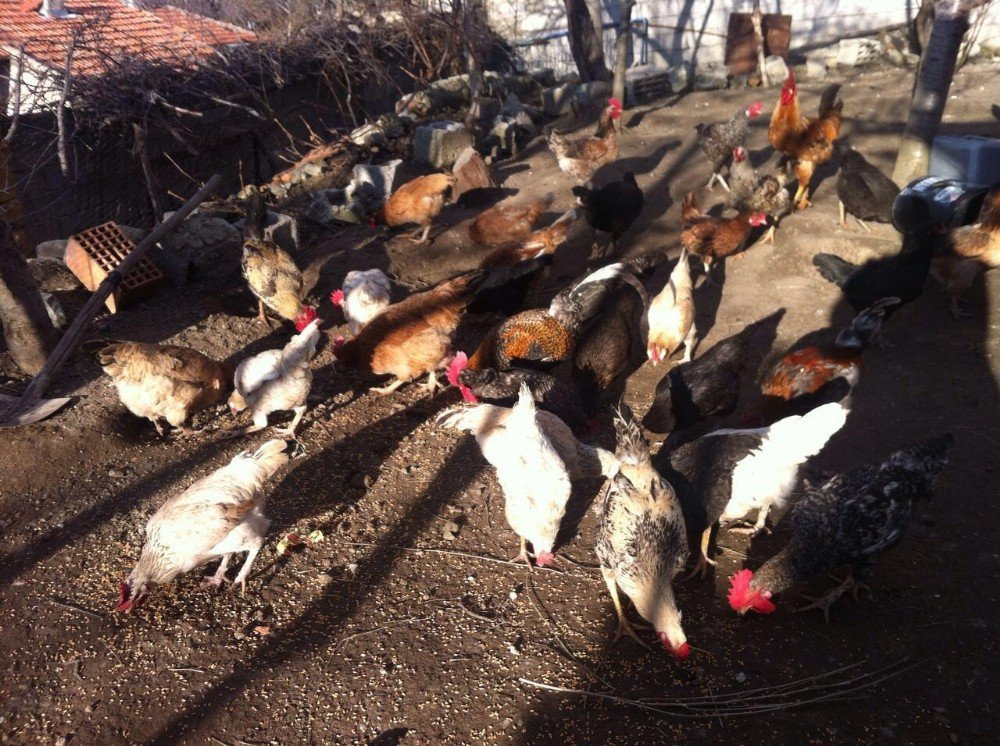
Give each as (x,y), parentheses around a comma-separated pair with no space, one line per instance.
(164,33)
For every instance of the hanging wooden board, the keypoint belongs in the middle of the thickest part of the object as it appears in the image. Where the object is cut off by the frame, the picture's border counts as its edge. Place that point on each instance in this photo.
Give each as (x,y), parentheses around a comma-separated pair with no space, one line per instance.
(741,49)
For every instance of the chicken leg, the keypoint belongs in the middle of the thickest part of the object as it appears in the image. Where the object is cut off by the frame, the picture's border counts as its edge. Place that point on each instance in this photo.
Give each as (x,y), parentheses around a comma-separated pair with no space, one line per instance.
(522,556)
(701,569)
(624,628)
(261,316)
(220,574)
(386,390)
(432,383)
(843,215)
(689,343)
(421,236)
(769,236)
(241,578)
(824,603)
(289,432)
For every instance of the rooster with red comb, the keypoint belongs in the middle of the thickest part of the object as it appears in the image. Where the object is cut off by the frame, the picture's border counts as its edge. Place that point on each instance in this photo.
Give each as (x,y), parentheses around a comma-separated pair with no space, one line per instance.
(581,158)
(850,520)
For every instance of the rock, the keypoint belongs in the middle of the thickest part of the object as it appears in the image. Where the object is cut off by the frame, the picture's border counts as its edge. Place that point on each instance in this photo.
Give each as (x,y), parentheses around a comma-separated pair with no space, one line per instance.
(593,95)
(680,77)
(777,70)
(710,77)
(52,249)
(283,230)
(441,143)
(378,132)
(472,172)
(382,178)
(816,67)
(337,205)
(855,52)
(557,99)
(450,531)
(52,275)
(135,235)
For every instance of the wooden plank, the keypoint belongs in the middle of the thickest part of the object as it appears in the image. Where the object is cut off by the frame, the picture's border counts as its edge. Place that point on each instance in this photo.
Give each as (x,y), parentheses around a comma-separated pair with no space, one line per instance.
(741,50)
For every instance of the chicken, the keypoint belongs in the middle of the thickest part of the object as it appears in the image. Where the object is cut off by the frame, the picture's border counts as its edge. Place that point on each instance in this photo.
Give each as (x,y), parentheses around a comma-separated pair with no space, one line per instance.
(165,382)
(536,457)
(417,201)
(362,296)
(671,316)
(612,208)
(902,275)
(715,238)
(217,516)
(581,158)
(757,194)
(413,337)
(507,222)
(603,354)
(273,277)
(718,140)
(641,540)
(863,190)
(726,474)
(275,381)
(501,387)
(850,520)
(973,249)
(808,142)
(708,386)
(808,377)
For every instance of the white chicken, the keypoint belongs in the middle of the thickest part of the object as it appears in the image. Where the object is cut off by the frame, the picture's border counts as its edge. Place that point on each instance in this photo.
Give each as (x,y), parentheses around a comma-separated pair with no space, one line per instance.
(671,316)
(536,457)
(218,516)
(362,297)
(275,381)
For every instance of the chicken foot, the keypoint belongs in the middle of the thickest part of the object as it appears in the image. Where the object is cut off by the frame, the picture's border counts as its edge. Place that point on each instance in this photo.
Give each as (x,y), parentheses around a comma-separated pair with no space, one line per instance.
(386,390)
(261,316)
(825,602)
(420,236)
(701,569)
(241,578)
(624,628)
(289,432)
(522,556)
(717,176)
(220,574)
(432,383)
(769,236)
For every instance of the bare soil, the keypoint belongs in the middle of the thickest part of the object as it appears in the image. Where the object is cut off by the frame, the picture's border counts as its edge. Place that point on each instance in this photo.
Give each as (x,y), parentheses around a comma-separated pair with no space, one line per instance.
(405,624)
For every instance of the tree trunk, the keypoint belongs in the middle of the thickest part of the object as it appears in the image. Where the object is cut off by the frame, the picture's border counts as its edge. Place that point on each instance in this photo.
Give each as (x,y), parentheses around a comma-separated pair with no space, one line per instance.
(588,53)
(951,20)
(470,18)
(29,333)
(621,49)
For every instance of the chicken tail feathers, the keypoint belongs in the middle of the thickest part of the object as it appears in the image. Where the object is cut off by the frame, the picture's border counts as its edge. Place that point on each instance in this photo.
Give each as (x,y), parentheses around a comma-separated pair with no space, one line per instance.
(273,454)
(580,302)
(798,438)
(926,460)
(830,100)
(583,194)
(631,447)
(834,269)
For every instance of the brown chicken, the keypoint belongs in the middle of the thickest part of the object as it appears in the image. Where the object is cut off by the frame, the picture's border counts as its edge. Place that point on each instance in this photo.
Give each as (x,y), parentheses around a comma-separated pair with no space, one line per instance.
(506,223)
(581,158)
(542,242)
(418,201)
(165,382)
(973,249)
(807,142)
(413,337)
(715,238)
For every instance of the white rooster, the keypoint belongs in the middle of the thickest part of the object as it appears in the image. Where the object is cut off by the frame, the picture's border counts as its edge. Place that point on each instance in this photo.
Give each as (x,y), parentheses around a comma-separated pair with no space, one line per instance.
(218,516)
(536,457)
(362,297)
(275,381)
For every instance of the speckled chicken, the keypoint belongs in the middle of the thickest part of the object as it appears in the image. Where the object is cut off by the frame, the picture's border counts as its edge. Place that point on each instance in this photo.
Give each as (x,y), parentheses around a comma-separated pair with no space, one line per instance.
(717,140)
(216,517)
(418,202)
(850,520)
(715,238)
(723,476)
(641,540)
(276,381)
(973,249)
(752,193)
(612,208)
(508,222)
(536,457)
(581,158)
(863,190)
(165,382)
(671,316)
(362,296)
(805,378)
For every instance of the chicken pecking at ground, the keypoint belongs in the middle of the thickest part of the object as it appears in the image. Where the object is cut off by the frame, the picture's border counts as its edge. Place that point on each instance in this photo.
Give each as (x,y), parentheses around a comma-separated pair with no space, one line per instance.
(216,517)
(641,540)
(363,295)
(165,382)
(723,476)
(752,193)
(508,222)
(418,202)
(276,381)
(536,457)
(863,190)
(715,238)
(717,140)
(972,249)
(850,520)
(581,158)
(612,208)
(671,316)
(806,141)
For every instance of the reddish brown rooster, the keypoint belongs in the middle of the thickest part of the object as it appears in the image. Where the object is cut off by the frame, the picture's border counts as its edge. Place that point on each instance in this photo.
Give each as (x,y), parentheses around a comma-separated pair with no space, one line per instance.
(506,223)
(715,238)
(808,142)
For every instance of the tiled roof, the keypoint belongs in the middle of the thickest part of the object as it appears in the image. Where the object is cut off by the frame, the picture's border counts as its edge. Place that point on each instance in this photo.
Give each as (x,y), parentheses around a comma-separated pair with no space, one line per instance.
(116,31)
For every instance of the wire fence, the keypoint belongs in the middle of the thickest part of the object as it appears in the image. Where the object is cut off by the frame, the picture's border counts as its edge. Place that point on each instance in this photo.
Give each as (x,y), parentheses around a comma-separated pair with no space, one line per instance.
(551,49)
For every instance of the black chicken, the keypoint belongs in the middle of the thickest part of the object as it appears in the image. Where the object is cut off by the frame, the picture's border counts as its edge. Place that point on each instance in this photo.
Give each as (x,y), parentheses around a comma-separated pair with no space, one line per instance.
(902,275)
(850,520)
(863,190)
(612,208)
(717,140)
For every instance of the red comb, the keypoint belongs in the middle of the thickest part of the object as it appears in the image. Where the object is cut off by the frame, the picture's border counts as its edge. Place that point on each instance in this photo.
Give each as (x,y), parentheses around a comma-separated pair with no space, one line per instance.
(337,298)
(614,102)
(123,593)
(755,108)
(306,316)
(456,366)
(543,559)
(743,598)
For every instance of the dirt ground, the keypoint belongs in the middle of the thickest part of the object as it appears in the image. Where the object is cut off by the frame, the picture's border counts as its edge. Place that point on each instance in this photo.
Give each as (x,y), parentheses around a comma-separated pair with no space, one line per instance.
(406,624)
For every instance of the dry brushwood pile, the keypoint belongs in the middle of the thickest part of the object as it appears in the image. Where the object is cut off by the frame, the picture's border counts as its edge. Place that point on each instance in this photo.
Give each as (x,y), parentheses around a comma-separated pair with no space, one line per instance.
(381,603)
